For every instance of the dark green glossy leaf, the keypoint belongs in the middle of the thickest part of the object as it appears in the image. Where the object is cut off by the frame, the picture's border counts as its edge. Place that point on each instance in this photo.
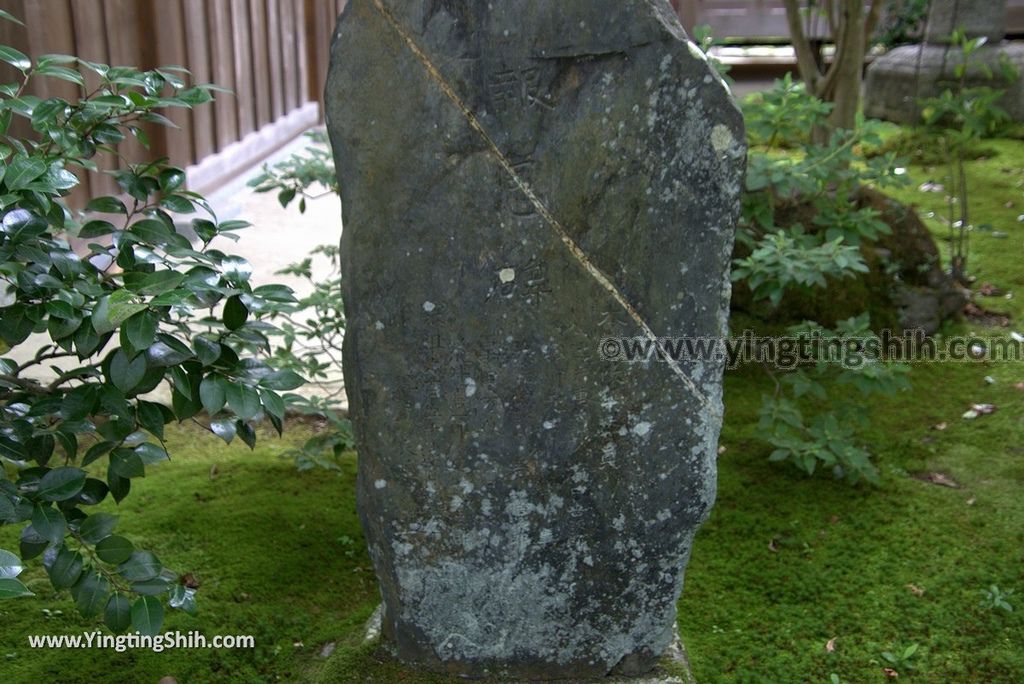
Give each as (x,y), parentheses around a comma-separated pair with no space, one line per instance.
(159,282)
(97,527)
(93,492)
(91,593)
(114,550)
(243,400)
(61,484)
(212,393)
(151,418)
(66,569)
(23,170)
(246,433)
(153,587)
(139,331)
(79,403)
(117,615)
(273,403)
(106,205)
(207,350)
(172,179)
(283,380)
(151,453)
(225,429)
(127,372)
(235,313)
(49,523)
(10,565)
(140,567)
(7,16)
(40,448)
(126,463)
(96,452)
(178,204)
(113,310)
(12,588)
(168,351)
(17,59)
(119,486)
(31,544)
(147,615)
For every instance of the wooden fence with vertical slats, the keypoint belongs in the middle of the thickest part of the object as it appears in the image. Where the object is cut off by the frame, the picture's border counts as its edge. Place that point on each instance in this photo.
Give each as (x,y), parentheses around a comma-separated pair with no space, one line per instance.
(272,55)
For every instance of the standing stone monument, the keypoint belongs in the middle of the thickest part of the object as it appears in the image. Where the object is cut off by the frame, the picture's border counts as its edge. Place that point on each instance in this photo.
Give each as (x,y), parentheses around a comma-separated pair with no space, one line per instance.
(897,81)
(521,180)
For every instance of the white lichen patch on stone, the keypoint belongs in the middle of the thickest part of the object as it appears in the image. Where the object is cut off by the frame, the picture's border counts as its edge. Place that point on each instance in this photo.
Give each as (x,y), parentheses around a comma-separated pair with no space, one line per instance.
(380,484)
(721,138)
(470,387)
(429,306)
(642,429)
(507,275)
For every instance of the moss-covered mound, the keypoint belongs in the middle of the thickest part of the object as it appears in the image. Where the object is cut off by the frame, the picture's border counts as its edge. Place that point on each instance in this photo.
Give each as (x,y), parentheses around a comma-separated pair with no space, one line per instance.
(904,289)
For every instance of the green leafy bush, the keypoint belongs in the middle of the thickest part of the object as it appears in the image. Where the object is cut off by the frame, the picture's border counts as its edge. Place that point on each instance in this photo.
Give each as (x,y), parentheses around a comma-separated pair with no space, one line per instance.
(826,438)
(787,167)
(115,303)
(311,332)
(958,119)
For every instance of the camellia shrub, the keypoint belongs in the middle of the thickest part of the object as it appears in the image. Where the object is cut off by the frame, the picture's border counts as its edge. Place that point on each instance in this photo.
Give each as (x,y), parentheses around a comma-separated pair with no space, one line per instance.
(100,310)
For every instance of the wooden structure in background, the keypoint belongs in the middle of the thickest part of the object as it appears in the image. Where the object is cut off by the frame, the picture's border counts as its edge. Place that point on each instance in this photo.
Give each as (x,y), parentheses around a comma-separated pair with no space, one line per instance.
(272,55)
(765,20)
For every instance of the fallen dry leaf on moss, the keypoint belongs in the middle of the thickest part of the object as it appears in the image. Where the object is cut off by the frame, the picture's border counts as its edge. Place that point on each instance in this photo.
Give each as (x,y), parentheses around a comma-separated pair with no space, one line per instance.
(937,479)
(915,590)
(830,647)
(979,410)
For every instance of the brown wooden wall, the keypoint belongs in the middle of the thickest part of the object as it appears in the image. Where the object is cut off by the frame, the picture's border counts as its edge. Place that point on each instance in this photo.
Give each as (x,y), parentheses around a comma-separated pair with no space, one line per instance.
(271,53)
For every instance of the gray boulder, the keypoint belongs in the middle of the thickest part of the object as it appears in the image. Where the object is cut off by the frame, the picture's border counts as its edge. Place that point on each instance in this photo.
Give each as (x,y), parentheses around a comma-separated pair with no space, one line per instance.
(520,181)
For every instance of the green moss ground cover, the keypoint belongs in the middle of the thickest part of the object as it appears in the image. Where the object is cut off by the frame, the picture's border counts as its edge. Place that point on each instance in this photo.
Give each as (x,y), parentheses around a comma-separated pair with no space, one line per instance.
(785,565)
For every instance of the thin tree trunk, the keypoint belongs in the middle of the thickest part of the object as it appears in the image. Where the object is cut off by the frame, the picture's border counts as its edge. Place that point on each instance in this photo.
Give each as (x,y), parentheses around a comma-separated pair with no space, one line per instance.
(808,66)
(849,64)
(841,82)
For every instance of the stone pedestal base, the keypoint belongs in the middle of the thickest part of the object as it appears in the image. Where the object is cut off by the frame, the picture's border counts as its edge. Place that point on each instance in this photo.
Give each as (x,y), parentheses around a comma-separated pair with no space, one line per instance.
(897,81)
(674,667)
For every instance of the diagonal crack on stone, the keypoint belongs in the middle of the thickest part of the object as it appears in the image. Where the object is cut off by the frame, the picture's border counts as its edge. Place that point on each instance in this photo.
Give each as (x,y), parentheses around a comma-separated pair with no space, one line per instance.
(578,254)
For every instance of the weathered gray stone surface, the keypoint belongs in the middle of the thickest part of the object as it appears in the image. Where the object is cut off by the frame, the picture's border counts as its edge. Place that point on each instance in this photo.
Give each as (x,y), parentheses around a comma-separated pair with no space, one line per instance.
(973,17)
(897,81)
(519,181)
